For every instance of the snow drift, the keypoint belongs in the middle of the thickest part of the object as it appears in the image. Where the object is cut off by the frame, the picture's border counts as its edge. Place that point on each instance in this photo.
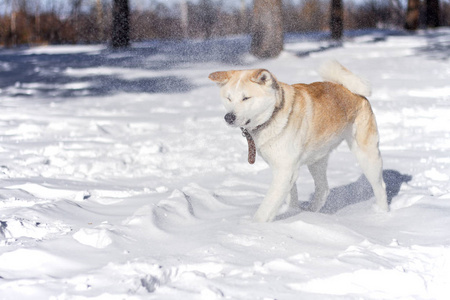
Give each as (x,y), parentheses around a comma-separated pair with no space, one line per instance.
(120,179)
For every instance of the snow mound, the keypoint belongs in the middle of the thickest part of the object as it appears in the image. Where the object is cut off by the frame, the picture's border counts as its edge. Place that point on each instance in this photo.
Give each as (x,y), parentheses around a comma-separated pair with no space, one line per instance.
(120,179)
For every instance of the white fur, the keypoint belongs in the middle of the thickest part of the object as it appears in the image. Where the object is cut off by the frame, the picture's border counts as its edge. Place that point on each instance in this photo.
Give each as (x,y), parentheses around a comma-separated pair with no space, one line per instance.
(286,145)
(334,72)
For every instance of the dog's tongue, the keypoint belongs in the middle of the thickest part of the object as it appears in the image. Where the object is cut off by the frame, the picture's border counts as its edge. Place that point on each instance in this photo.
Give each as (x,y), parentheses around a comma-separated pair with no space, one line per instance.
(251,147)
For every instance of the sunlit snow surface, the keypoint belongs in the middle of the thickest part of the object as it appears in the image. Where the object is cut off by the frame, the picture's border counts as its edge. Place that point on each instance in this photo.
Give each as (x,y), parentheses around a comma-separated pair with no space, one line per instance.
(120,179)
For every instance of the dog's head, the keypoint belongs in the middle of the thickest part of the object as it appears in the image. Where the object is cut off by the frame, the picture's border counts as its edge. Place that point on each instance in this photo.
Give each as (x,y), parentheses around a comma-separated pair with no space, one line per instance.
(249,96)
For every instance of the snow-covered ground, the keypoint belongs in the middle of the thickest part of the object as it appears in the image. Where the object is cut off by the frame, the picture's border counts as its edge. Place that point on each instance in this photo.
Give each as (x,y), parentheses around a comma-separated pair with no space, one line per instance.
(120,179)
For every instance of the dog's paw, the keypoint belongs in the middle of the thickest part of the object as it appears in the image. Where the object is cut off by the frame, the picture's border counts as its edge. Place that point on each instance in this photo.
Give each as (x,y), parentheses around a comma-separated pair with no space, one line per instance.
(312,206)
(381,208)
(261,218)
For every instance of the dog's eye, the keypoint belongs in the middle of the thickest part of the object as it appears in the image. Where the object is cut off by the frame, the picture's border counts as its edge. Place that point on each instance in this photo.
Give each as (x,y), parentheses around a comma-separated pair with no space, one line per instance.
(245,98)
(229,99)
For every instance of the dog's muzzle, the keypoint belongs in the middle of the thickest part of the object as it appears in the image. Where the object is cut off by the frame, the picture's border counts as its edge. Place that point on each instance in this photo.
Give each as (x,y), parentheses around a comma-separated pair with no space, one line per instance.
(230,118)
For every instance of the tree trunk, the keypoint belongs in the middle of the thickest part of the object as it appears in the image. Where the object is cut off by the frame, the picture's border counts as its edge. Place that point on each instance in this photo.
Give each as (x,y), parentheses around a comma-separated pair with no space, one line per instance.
(209,17)
(412,15)
(267,28)
(396,13)
(433,13)
(100,21)
(336,19)
(243,19)
(121,24)
(184,19)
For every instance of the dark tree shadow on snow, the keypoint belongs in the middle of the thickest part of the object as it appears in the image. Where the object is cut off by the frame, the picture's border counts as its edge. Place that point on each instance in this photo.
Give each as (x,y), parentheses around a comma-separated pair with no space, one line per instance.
(323,41)
(438,45)
(360,191)
(31,74)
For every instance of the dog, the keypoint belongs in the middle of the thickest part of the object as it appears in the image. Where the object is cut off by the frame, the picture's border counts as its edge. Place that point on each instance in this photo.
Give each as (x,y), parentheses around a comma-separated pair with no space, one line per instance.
(300,124)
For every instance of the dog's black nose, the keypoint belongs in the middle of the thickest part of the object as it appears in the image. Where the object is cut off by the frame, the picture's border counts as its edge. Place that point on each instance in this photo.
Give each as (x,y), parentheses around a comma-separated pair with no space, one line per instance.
(230,118)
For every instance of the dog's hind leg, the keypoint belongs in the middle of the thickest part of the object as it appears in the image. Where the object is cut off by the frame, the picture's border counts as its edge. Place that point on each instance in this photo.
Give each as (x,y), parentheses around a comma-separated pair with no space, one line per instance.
(318,171)
(292,198)
(364,144)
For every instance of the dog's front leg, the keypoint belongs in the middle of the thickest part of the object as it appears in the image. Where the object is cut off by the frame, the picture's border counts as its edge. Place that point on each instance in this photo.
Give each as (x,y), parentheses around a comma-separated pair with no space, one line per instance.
(283,179)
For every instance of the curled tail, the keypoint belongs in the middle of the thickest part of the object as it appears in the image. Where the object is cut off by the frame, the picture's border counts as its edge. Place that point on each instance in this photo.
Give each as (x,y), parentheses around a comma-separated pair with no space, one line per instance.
(334,72)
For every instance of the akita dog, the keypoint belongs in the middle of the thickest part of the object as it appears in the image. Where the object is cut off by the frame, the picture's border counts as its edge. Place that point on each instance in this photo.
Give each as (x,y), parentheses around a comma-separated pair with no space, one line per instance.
(293,125)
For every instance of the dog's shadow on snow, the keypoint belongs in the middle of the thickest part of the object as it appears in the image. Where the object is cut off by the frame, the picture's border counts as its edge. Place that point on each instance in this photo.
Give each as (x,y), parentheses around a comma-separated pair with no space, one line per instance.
(360,191)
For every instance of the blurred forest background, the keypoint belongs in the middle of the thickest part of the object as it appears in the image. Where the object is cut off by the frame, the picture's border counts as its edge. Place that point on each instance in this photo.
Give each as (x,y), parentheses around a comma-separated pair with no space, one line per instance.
(36,22)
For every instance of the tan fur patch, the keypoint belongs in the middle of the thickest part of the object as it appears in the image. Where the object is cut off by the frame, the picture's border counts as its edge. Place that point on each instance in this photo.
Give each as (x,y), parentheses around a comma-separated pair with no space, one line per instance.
(333,106)
(221,77)
(367,133)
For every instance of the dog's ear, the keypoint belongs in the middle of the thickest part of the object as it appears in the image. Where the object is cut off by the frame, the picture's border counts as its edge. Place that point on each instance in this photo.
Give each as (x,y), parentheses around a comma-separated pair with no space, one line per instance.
(220,77)
(262,77)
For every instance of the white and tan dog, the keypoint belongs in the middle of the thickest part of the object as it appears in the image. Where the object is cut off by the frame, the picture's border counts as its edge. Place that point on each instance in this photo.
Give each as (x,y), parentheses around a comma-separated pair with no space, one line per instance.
(299,124)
